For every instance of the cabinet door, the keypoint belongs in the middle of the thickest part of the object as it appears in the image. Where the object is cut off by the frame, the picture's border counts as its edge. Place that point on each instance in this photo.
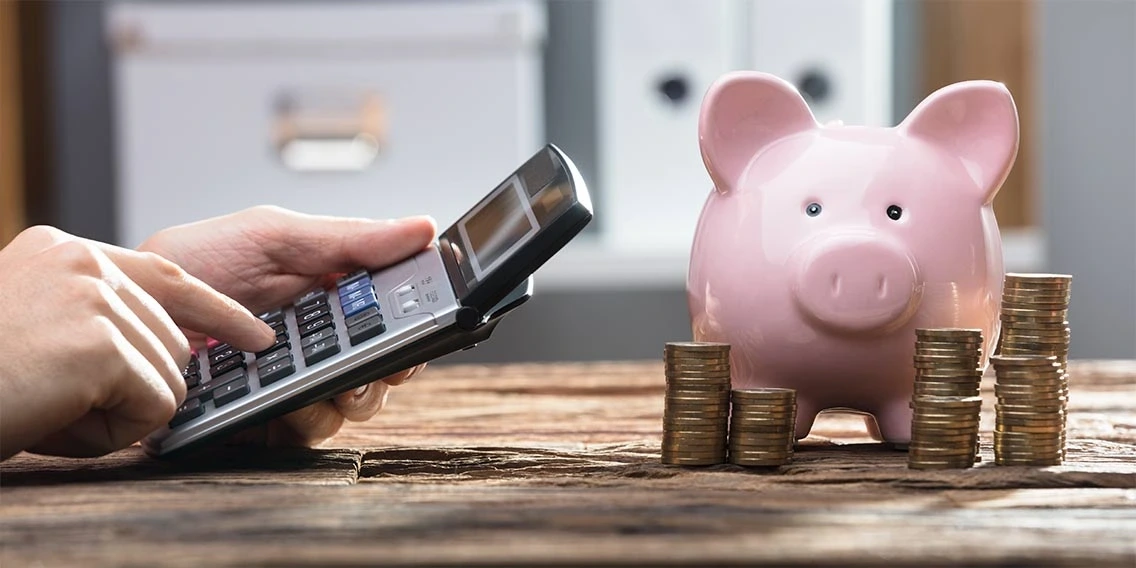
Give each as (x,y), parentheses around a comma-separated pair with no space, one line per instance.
(656,58)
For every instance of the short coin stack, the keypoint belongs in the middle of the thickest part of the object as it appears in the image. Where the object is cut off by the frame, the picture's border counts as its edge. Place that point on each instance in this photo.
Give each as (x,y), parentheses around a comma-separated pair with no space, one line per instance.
(697,405)
(763,426)
(946,401)
(1029,415)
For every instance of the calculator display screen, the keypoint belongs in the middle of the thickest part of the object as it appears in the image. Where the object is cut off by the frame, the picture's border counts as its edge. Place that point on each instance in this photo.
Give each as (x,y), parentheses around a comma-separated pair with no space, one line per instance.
(497,228)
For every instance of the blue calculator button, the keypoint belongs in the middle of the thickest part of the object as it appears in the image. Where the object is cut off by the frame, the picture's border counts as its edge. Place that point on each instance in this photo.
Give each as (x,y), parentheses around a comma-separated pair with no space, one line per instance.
(360,284)
(347,278)
(345,299)
(359,305)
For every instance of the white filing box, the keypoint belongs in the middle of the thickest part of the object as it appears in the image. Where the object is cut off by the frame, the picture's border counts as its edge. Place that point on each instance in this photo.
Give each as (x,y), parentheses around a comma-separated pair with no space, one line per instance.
(652,180)
(378,109)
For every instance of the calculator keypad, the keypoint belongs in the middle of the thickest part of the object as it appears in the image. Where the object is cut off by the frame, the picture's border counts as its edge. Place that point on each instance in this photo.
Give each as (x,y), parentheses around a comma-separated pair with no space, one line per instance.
(230,371)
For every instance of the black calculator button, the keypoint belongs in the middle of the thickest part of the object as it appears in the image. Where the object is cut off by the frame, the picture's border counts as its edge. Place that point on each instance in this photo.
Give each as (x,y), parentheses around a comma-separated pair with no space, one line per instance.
(310,300)
(361,316)
(237,361)
(275,371)
(319,351)
(281,330)
(366,330)
(314,325)
(273,357)
(205,390)
(272,318)
(317,337)
(220,356)
(192,379)
(219,348)
(190,409)
(312,314)
(193,365)
(230,391)
(280,342)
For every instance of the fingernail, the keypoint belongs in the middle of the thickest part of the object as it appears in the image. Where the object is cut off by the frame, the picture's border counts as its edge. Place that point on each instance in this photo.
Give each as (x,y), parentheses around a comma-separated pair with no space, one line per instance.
(359,391)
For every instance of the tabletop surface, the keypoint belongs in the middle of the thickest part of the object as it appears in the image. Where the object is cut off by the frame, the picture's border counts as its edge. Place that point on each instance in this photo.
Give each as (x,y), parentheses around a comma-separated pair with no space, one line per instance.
(559,464)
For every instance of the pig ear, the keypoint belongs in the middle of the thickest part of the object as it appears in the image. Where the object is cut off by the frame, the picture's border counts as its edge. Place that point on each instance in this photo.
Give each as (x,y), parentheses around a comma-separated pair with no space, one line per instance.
(976,121)
(743,113)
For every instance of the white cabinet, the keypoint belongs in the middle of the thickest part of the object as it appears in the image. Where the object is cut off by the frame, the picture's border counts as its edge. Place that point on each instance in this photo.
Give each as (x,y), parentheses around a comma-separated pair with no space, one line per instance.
(375,109)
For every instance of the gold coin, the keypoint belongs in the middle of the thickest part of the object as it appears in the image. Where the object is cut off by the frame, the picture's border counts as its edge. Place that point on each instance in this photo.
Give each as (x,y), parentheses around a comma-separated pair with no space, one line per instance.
(942,439)
(763,437)
(696,358)
(779,453)
(950,332)
(1041,278)
(1009,428)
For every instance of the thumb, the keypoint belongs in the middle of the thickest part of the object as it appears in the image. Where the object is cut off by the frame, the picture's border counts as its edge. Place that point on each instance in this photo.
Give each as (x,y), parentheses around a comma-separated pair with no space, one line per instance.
(318,245)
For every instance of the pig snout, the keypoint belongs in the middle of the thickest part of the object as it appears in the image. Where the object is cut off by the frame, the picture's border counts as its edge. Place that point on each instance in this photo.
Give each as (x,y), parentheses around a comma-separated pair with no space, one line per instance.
(856,283)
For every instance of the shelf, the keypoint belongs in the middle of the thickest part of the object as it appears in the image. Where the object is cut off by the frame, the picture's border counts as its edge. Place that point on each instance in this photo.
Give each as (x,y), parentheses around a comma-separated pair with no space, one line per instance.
(587,264)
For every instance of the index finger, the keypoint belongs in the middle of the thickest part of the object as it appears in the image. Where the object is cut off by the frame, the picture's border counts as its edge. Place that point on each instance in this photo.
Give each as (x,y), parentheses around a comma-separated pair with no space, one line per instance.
(190,302)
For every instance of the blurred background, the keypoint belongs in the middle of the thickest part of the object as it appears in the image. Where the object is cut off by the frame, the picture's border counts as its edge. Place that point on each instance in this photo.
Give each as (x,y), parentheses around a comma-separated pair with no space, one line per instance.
(120,118)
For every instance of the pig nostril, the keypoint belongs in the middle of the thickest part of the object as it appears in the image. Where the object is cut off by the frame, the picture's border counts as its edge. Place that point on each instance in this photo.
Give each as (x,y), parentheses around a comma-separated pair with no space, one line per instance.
(882,288)
(835,285)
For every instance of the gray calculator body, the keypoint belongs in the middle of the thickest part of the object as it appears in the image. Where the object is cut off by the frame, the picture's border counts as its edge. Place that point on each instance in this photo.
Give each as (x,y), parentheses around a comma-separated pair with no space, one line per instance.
(372,324)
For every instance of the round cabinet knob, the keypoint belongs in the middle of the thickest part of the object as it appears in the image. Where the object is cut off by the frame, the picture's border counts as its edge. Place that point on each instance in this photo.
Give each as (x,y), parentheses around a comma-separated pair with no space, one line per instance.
(815,86)
(675,88)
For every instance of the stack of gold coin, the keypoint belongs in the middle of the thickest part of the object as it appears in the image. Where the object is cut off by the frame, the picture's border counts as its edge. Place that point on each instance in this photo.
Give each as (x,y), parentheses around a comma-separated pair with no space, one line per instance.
(1029,426)
(697,406)
(763,426)
(946,401)
(1034,312)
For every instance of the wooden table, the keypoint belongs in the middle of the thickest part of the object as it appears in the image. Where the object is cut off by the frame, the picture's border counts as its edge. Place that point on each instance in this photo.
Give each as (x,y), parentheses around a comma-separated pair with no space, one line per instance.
(523,464)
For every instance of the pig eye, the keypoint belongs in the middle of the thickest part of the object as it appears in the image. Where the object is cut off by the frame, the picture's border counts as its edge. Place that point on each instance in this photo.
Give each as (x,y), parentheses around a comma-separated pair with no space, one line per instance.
(894,212)
(813,209)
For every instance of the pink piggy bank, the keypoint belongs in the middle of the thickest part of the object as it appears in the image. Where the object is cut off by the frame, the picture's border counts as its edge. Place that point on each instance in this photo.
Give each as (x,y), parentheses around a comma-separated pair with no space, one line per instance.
(822,248)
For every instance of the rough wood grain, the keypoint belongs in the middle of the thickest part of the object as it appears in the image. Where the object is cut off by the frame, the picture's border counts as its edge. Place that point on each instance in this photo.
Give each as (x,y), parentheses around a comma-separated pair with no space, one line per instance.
(559,464)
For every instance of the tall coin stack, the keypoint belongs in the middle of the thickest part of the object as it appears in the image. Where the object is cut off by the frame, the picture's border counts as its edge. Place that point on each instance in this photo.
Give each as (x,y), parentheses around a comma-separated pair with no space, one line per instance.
(697,406)
(763,426)
(946,401)
(1029,426)
(1034,312)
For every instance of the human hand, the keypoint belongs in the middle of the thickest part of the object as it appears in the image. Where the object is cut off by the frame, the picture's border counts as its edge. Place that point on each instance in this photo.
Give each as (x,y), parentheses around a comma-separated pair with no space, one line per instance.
(90,349)
(265,256)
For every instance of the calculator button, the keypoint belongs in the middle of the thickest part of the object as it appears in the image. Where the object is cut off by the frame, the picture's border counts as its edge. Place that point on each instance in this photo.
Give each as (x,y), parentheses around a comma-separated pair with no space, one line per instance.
(230,391)
(404,290)
(281,330)
(346,278)
(190,409)
(280,342)
(311,300)
(218,348)
(275,371)
(361,293)
(366,330)
(315,325)
(273,357)
(272,318)
(314,313)
(363,315)
(350,287)
(192,379)
(317,336)
(193,365)
(409,306)
(227,365)
(220,356)
(358,305)
(319,351)
(204,391)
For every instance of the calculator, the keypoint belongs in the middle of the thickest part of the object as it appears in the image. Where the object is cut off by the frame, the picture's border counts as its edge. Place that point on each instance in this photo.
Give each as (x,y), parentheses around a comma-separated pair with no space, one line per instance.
(374,323)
